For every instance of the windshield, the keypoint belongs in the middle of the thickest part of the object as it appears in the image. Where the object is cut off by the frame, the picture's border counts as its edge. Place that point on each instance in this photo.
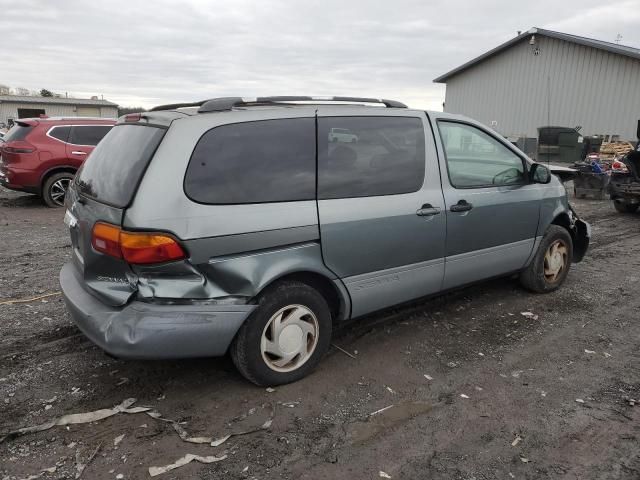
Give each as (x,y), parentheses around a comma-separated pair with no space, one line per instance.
(113,170)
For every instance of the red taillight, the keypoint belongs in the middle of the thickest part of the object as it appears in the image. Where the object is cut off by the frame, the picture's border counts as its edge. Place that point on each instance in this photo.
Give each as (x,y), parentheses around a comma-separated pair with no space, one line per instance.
(18,147)
(135,247)
(619,166)
(133,117)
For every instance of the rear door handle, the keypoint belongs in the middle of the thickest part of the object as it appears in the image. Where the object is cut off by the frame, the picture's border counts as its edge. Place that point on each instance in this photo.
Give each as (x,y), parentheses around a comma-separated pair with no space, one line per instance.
(427,210)
(461,206)
(75,152)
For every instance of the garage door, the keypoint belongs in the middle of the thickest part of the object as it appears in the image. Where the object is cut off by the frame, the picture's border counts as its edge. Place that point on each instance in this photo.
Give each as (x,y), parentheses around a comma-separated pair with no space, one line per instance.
(88,111)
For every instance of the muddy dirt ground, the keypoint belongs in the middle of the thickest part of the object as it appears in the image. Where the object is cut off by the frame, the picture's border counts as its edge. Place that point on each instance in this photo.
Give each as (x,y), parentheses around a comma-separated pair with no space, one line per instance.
(507,395)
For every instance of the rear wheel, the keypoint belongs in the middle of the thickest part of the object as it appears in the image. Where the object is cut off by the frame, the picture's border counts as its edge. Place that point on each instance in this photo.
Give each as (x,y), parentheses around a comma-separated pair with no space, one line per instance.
(55,188)
(550,265)
(285,337)
(625,207)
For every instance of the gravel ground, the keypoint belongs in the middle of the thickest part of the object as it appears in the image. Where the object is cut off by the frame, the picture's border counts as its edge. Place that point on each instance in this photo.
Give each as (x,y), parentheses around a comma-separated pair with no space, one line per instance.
(479,391)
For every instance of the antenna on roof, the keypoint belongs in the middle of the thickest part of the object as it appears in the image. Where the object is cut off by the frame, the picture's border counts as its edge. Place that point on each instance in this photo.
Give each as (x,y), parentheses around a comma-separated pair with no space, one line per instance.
(618,39)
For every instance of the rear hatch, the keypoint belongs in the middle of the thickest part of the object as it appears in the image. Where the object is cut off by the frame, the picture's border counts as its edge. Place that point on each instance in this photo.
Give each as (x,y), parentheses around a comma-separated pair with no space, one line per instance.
(103,189)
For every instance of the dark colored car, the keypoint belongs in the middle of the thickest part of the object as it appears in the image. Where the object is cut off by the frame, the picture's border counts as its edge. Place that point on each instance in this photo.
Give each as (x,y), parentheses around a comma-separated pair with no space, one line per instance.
(624,188)
(41,155)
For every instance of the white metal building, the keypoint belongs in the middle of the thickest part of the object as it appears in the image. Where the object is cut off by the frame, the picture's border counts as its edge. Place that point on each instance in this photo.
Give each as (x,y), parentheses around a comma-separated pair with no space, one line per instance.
(15,107)
(542,78)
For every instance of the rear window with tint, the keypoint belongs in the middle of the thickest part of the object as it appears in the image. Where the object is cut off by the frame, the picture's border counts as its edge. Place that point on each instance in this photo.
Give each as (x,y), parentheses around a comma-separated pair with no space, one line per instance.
(113,170)
(18,132)
(88,134)
(254,162)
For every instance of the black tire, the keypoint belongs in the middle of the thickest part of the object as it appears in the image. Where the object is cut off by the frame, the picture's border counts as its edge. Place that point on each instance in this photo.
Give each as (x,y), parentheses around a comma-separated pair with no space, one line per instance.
(533,278)
(51,189)
(625,207)
(246,350)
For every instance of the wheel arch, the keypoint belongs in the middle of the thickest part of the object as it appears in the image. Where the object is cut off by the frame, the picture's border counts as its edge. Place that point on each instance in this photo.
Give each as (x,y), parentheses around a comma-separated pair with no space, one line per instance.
(53,170)
(333,291)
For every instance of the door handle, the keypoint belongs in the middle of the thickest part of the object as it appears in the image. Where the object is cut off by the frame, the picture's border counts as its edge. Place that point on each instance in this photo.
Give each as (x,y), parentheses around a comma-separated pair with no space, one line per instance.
(461,206)
(427,210)
(75,152)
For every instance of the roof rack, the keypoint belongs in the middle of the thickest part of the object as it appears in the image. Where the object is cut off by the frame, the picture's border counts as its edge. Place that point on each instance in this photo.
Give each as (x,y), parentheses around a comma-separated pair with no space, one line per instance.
(228,103)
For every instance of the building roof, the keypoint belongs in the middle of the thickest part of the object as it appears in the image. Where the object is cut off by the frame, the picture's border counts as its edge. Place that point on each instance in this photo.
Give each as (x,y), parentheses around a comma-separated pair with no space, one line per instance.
(587,42)
(54,100)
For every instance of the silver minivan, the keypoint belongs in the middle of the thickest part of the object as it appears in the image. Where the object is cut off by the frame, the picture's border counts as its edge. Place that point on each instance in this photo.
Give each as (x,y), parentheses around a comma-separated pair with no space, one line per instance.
(254,226)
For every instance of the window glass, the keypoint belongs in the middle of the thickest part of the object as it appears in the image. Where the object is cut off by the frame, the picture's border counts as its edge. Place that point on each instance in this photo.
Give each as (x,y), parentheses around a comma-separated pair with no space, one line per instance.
(88,134)
(254,162)
(61,133)
(18,132)
(113,170)
(475,159)
(369,156)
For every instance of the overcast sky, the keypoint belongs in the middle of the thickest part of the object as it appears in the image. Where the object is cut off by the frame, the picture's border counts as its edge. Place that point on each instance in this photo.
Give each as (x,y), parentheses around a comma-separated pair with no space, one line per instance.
(144,53)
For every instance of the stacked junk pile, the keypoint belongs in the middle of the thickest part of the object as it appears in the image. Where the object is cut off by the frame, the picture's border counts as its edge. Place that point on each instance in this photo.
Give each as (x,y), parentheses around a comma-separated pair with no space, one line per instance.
(602,167)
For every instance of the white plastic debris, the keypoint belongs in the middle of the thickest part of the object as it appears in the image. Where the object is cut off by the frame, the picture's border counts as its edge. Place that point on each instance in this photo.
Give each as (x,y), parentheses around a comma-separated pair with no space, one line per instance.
(118,439)
(270,390)
(380,411)
(464,396)
(607,355)
(516,441)
(390,390)
(40,474)
(181,462)
(524,459)
(589,351)
(75,418)
(384,474)
(529,315)
(428,377)
(579,400)
(119,476)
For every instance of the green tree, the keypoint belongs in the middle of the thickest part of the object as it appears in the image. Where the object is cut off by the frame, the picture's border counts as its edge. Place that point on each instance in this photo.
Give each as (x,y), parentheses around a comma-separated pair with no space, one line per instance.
(46,93)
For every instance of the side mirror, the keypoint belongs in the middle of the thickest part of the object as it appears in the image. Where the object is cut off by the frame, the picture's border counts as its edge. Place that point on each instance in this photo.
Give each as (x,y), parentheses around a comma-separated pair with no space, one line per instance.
(538,173)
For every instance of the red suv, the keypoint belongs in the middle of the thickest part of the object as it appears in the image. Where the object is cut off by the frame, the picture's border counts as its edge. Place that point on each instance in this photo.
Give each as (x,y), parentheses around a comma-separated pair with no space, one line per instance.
(41,155)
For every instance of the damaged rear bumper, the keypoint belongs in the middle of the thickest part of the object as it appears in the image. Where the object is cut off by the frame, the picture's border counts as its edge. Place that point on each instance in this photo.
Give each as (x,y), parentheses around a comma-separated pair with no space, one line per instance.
(150,331)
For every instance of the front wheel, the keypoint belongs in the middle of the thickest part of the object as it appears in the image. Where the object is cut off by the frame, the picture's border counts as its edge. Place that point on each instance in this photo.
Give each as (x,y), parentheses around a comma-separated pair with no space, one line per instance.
(550,265)
(625,207)
(285,337)
(55,188)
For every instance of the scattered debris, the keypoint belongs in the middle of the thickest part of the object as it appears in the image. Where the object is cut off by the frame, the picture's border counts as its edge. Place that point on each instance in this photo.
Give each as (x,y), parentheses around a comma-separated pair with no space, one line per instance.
(213,442)
(428,377)
(74,418)
(464,396)
(589,351)
(119,476)
(80,467)
(517,373)
(390,390)
(384,474)
(42,472)
(479,388)
(290,404)
(516,441)
(344,351)
(452,364)
(529,315)
(118,439)
(181,462)
(579,400)
(607,355)
(630,401)
(27,300)
(270,390)
(524,460)
(381,410)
